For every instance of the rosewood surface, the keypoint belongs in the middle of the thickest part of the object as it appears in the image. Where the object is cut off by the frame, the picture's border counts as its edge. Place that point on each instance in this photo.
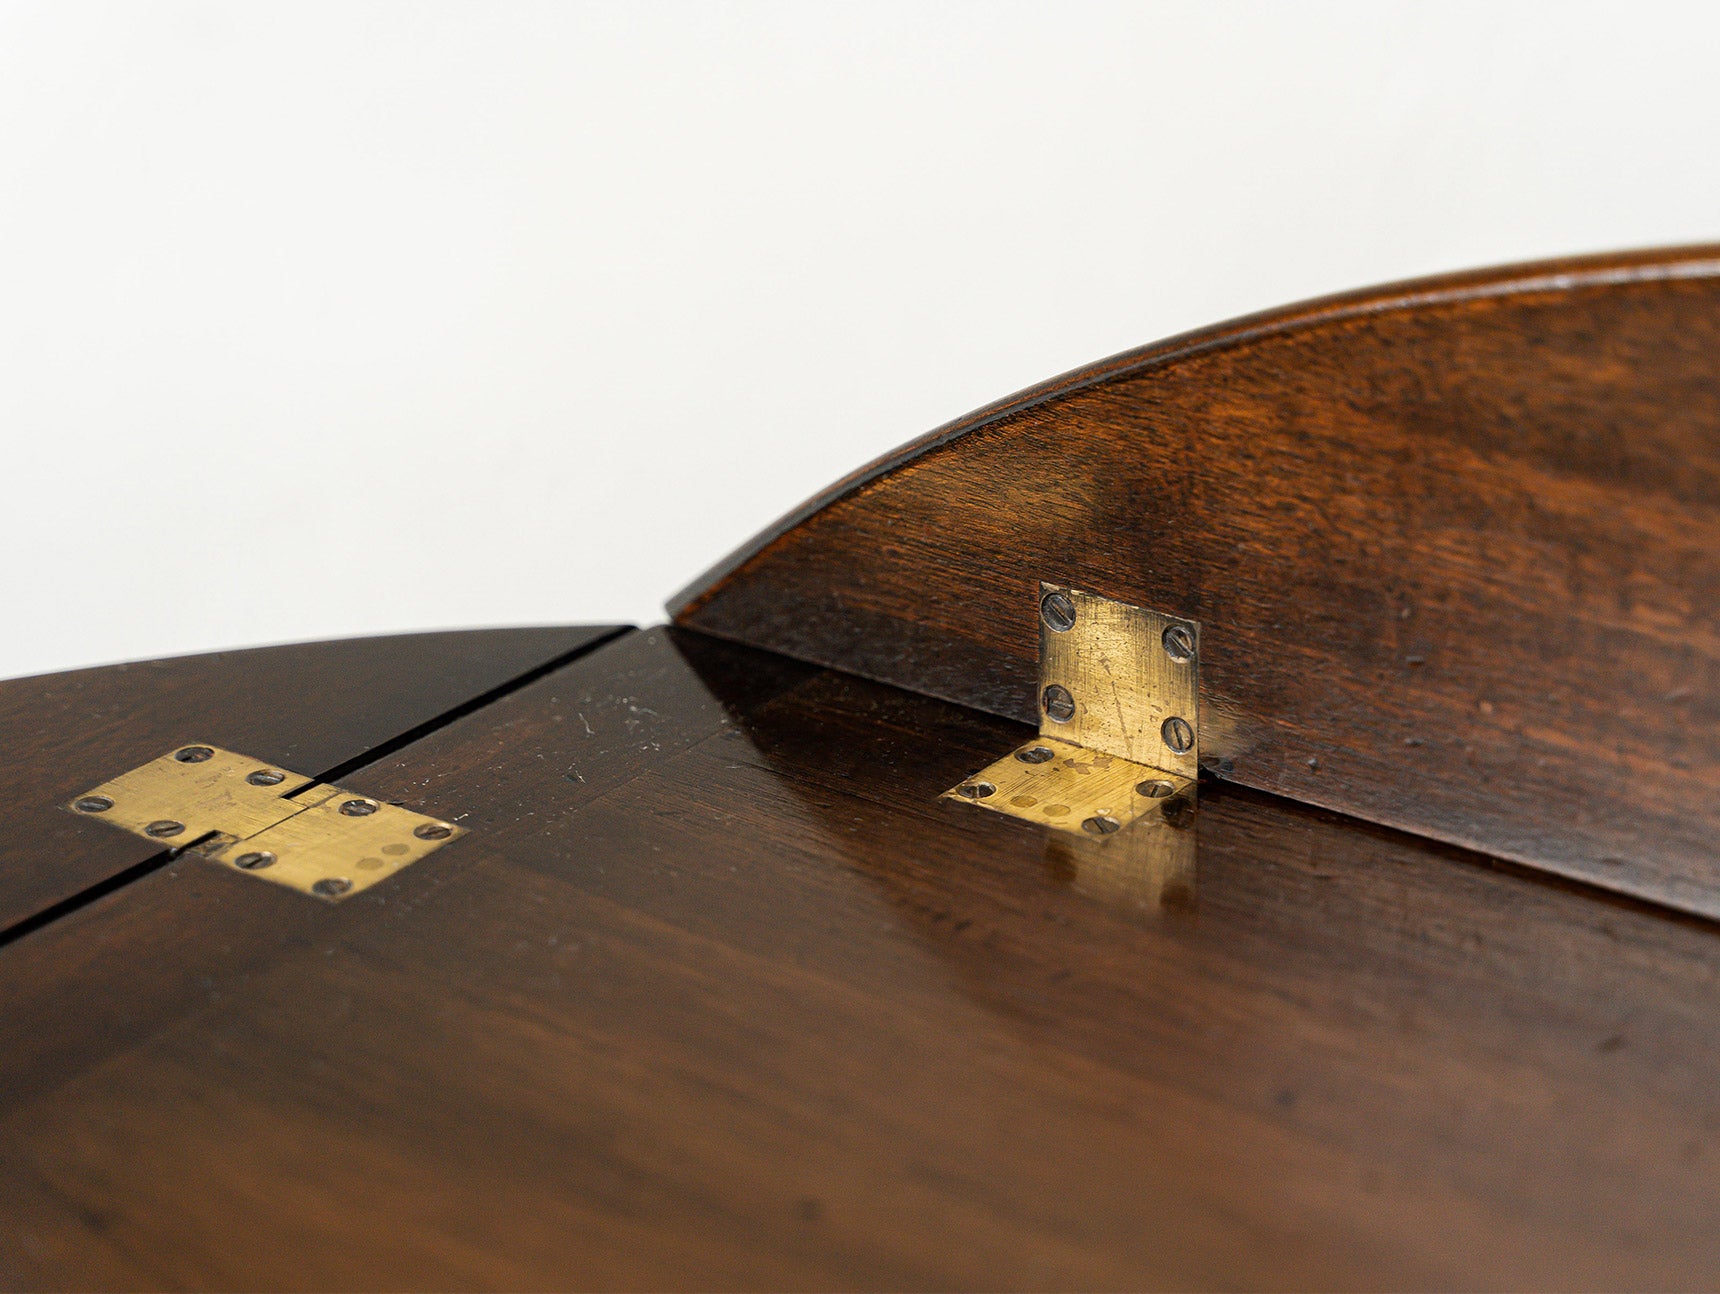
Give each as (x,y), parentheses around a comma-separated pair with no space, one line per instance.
(719,994)
(1454,545)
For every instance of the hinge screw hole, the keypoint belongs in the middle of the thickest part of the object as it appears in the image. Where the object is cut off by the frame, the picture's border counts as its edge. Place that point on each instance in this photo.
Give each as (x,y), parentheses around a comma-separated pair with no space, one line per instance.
(331,887)
(93,804)
(1036,755)
(433,831)
(1155,790)
(1100,824)
(358,809)
(165,827)
(977,790)
(254,861)
(266,777)
(193,754)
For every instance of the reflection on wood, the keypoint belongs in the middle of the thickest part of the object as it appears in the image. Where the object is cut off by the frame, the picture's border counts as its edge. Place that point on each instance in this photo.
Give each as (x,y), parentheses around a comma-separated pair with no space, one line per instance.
(718,993)
(1147,866)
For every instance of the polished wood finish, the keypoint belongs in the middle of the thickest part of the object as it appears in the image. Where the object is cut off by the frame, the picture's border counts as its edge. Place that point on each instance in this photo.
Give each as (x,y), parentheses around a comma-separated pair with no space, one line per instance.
(719,994)
(1455,547)
(310,707)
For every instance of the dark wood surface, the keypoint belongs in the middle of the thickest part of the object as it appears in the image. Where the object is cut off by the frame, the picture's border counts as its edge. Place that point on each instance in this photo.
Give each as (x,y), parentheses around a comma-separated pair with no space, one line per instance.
(1454,545)
(310,707)
(719,994)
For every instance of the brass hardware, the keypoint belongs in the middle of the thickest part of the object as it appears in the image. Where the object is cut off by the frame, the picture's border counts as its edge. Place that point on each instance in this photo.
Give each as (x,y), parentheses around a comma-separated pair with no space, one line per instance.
(1119,729)
(242,813)
(1134,676)
(197,795)
(1148,869)
(1072,788)
(329,852)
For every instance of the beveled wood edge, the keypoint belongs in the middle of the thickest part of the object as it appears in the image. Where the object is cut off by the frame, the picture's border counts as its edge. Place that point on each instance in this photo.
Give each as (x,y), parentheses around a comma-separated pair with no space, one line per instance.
(1565,274)
(594,628)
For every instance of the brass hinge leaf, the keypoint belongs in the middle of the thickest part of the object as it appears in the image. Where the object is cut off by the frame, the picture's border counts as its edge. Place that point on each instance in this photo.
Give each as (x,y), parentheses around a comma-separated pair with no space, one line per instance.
(266,821)
(1119,729)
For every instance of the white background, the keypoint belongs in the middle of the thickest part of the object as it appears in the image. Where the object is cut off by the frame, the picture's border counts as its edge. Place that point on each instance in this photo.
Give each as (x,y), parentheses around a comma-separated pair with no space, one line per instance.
(320,320)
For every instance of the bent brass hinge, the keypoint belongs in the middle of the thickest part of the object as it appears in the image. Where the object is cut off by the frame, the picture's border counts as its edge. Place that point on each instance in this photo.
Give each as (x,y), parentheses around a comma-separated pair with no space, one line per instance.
(1119,720)
(265,821)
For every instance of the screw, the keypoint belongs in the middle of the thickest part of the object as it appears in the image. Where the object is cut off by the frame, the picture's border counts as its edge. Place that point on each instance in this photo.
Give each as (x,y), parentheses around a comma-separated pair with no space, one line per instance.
(1058,612)
(358,808)
(166,827)
(193,754)
(1059,705)
(266,777)
(1101,824)
(1036,755)
(1179,644)
(977,790)
(255,861)
(1178,735)
(93,804)
(1154,790)
(331,887)
(434,831)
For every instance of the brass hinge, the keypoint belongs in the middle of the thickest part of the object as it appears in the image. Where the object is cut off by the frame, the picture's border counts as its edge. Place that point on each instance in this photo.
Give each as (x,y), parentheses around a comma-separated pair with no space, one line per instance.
(266,821)
(1119,720)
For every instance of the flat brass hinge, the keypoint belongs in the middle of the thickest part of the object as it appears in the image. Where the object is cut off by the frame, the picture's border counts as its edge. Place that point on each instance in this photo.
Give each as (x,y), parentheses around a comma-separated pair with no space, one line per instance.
(266,821)
(1119,720)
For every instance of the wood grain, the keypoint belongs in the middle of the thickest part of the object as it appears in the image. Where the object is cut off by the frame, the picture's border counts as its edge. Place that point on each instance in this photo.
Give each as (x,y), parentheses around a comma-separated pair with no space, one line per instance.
(1454,545)
(719,994)
(310,707)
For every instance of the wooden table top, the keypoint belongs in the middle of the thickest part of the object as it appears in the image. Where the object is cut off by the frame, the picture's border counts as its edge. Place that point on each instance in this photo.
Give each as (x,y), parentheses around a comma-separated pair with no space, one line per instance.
(718,993)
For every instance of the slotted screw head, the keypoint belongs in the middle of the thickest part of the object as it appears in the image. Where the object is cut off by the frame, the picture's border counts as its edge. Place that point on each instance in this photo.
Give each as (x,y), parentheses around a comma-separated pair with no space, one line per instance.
(164,828)
(266,777)
(1154,790)
(193,754)
(256,860)
(1179,644)
(433,831)
(1178,735)
(93,804)
(1036,755)
(1058,611)
(331,887)
(977,790)
(1059,704)
(358,808)
(1100,824)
